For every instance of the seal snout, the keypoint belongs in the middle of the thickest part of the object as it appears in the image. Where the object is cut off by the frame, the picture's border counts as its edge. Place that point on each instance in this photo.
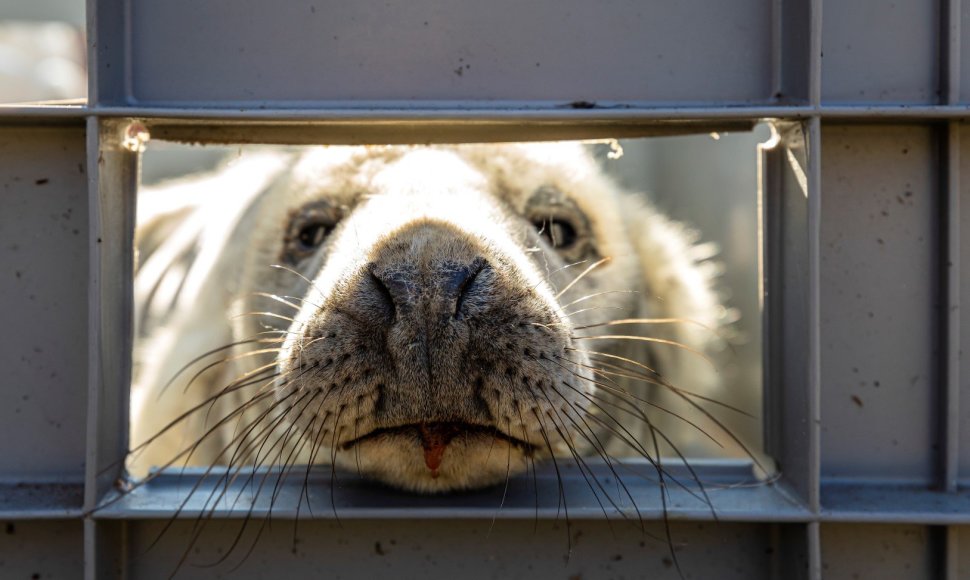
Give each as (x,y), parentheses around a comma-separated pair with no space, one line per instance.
(434,350)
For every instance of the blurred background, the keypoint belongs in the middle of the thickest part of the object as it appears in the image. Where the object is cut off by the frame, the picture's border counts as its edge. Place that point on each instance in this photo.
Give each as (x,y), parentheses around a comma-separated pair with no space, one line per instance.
(42,50)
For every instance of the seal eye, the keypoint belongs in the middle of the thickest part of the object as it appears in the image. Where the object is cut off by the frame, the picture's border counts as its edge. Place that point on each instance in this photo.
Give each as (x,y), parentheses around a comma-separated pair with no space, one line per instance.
(559,219)
(560,233)
(311,235)
(307,229)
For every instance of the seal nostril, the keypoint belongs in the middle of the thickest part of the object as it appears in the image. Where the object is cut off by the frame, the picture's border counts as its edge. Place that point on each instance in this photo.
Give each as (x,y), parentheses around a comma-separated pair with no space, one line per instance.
(465,280)
(383,291)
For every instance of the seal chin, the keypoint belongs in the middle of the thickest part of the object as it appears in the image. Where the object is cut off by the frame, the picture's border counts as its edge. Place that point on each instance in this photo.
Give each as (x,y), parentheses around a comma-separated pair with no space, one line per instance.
(437,457)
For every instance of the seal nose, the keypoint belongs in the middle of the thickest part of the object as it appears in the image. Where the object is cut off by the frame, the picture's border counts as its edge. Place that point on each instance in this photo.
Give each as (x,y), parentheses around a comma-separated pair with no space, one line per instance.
(446,285)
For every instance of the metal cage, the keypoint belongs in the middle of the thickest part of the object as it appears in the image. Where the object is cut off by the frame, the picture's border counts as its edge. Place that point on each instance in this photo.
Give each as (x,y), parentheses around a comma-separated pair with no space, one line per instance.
(862,260)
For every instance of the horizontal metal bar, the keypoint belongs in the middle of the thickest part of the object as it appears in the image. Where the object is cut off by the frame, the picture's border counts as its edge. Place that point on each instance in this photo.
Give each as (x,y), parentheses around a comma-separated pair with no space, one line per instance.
(357,499)
(41,500)
(733,493)
(875,503)
(485,111)
(844,504)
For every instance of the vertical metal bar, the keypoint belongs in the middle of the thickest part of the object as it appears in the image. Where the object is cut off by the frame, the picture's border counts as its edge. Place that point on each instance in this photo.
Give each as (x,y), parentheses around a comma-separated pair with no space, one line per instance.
(815,54)
(950,222)
(814,353)
(813,529)
(91,148)
(950,398)
(111,173)
(777,60)
(950,52)
(769,267)
(128,77)
(951,557)
(94,347)
(91,38)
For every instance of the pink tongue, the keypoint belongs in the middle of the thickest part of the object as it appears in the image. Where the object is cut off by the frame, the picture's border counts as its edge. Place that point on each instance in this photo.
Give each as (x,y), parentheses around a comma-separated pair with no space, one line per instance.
(435,439)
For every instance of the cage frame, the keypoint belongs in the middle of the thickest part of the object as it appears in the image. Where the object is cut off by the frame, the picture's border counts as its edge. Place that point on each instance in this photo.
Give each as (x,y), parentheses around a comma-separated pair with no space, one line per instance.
(816,506)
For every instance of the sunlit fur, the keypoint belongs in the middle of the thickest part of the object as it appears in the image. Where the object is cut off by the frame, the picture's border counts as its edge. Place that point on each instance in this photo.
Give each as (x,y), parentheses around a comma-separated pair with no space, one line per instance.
(323,370)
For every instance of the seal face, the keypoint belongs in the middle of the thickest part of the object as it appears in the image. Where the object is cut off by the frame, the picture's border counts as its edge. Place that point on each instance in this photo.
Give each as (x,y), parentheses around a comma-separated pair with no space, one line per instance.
(431,317)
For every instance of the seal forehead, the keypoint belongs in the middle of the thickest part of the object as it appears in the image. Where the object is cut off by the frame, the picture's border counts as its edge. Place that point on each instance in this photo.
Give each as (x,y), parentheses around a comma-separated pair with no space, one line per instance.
(423,171)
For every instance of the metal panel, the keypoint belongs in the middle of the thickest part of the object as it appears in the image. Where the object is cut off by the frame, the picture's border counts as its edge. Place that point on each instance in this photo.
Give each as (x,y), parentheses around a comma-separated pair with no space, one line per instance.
(460,549)
(41,550)
(879,302)
(578,52)
(43,246)
(880,51)
(861,552)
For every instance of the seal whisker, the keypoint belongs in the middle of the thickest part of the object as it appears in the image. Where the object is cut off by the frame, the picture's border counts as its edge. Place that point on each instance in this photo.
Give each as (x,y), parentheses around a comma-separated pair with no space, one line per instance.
(624,434)
(583,466)
(649,339)
(508,475)
(241,356)
(281,299)
(314,447)
(686,396)
(196,531)
(302,277)
(666,385)
(285,467)
(210,353)
(596,295)
(593,439)
(185,415)
(649,321)
(583,274)
(591,309)
(563,503)
(619,392)
(639,412)
(550,274)
(264,313)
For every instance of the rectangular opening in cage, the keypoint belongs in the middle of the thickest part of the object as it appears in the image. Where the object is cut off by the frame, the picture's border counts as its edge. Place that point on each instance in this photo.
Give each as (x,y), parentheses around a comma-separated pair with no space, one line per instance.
(451,317)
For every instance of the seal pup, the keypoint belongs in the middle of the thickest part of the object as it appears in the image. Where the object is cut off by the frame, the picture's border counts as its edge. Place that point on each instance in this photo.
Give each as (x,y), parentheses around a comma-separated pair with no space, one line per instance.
(435,318)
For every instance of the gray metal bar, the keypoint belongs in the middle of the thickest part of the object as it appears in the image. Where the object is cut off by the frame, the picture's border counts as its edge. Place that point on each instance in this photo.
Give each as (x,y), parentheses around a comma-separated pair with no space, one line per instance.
(95,370)
(112,175)
(777,45)
(951,556)
(815,53)
(950,51)
(950,397)
(109,51)
(814,174)
(472,112)
(94,313)
(814,539)
(733,493)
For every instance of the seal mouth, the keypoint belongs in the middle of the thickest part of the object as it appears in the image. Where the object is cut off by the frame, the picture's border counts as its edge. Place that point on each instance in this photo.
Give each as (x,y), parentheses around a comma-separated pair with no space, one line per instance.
(435,437)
